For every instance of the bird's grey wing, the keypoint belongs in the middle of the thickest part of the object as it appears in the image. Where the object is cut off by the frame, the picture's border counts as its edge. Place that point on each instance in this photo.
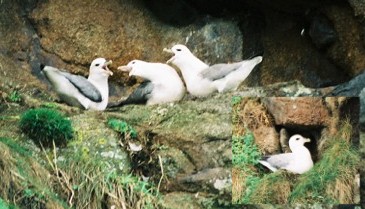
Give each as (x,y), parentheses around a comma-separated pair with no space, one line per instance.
(280,160)
(138,96)
(219,71)
(84,86)
(351,88)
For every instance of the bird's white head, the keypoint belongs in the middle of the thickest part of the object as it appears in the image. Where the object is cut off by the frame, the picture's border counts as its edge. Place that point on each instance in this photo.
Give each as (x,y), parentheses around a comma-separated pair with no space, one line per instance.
(99,66)
(297,141)
(132,67)
(180,51)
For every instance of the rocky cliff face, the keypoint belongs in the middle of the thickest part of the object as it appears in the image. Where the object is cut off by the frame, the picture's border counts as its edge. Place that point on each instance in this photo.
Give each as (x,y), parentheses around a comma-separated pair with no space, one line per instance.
(69,35)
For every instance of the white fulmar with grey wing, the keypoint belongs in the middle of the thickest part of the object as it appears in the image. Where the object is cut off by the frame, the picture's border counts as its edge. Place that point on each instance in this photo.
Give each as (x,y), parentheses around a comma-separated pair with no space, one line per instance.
(91,93)
(298,161)
(202,80)
(163,84)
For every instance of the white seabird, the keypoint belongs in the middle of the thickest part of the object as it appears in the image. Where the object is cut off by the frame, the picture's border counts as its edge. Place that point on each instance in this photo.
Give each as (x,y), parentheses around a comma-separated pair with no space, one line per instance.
(162,84)
(298,161)
(202,80)
(91,93)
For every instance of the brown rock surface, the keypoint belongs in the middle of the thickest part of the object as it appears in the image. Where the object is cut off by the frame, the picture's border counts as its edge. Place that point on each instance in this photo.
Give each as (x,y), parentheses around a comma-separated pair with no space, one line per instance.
(299,111)
(348,52)
(123,31)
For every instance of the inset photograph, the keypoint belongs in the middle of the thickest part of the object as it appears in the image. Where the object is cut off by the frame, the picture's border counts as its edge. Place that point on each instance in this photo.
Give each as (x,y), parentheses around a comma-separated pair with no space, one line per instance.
(295,150)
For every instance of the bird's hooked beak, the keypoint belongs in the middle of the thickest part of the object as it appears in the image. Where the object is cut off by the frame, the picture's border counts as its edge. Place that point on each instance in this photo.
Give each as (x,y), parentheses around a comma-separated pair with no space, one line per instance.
(307,140)
(125,68)
(105,67)
(171,52)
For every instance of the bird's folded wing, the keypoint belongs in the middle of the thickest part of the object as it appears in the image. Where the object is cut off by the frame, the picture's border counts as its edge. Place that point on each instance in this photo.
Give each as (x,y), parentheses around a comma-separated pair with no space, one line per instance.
(84,86)
(280,160)
(219,71)
(138,96)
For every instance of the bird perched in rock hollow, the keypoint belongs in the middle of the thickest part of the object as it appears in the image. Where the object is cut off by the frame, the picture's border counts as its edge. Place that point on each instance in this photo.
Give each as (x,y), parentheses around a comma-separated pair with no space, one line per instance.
(91,93)
(162,85)
(202,80)
(298,161)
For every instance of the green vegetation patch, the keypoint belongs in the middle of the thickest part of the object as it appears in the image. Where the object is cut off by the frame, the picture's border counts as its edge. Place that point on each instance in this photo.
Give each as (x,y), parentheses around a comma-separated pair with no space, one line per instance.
(236,100)
(123,128)
(245,155)
(44,126)
(244,150)
(95,184)
(24,182)
(4,205)
(14,146)
(15,96)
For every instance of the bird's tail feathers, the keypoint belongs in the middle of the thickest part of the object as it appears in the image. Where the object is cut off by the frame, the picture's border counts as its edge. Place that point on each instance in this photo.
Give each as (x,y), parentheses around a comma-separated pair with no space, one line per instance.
(267,164)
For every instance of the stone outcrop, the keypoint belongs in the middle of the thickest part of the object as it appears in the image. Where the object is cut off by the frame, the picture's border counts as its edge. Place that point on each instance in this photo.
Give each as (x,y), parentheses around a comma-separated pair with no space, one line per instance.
(299,111)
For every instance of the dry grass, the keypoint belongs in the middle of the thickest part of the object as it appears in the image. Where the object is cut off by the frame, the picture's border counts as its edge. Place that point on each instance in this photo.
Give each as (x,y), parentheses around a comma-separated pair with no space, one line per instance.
(24,182)
(274,189)
(73,183)
(252,114)
(238,184)
(89,183)
(9,181)
(342,189)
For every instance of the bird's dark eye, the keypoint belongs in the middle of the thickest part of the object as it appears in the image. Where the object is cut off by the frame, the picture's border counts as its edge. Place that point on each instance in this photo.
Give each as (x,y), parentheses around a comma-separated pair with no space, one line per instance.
(134,62)
(179,50)
(97,65)
(297,139)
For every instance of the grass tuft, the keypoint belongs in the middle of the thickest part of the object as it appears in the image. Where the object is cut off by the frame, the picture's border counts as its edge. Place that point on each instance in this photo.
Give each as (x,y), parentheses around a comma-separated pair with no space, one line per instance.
(92,183)
(44,126)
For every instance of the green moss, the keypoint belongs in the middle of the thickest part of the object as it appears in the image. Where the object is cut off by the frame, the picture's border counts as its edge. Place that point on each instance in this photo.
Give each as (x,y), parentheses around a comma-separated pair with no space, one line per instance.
(122,127)
(245,154)
(251,183)
(244,150)
(236,100)
(44,126)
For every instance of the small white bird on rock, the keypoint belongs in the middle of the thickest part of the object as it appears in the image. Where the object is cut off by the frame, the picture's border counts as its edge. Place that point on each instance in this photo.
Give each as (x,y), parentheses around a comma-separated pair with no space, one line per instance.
(91,93)
(298,161)
(162,85)
(202,80)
